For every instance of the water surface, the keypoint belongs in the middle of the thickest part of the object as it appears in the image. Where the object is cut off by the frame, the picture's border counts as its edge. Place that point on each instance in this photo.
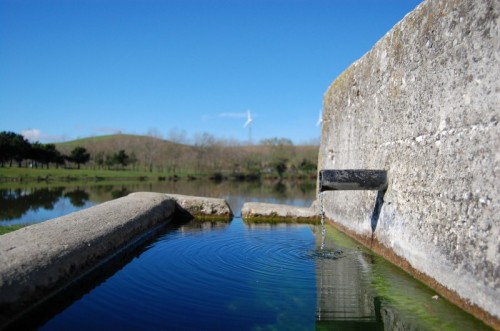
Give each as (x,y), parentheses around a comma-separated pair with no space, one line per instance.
(28,204)
(233,275)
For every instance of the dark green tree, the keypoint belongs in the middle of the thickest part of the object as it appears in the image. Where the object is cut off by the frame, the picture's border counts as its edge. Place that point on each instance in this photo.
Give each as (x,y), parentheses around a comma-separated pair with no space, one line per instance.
(45,154)
(37,154)
(13,146)
(121,158)
(51,154)
(79,155)
(6,148)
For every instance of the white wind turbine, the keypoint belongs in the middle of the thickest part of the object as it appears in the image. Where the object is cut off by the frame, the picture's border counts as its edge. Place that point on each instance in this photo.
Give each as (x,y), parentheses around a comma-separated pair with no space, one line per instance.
(320,118)
(248,124)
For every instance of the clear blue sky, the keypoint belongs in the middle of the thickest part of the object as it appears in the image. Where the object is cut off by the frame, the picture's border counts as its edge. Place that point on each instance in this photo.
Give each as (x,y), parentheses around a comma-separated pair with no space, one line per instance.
(72,68)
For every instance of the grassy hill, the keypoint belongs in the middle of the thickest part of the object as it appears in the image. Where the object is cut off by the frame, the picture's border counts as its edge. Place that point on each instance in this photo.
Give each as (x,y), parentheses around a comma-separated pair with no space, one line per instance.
(207,156)
(133,143)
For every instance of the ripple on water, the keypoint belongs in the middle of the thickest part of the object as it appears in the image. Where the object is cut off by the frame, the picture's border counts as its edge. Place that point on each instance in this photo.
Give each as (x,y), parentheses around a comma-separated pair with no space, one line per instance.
(226,277)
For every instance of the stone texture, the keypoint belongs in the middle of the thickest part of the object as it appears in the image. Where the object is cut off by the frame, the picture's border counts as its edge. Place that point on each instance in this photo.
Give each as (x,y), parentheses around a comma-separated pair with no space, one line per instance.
(203,208)
(424,104)
(256,211)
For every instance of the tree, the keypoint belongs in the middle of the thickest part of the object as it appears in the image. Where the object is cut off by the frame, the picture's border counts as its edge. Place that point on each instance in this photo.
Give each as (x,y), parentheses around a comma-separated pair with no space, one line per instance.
(279,164)
(152,147)
(51,154)
(307,166)
(276,142)
(36,154)
(6,147)
(99,159)
(79,155)
(281,150)
(15,147)
(121,158)
(44,154)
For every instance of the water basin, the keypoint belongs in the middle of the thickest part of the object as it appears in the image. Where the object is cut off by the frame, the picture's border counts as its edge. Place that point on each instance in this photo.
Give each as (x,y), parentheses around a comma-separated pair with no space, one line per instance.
(227,276)
(234,275)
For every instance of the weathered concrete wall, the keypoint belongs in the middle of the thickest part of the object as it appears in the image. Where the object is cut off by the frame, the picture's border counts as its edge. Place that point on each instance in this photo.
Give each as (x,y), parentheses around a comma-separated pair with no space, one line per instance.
(424,104)
(40,259)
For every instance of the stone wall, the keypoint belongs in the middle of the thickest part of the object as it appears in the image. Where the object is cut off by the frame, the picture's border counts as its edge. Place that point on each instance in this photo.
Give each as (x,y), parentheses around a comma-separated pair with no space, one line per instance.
(424,104)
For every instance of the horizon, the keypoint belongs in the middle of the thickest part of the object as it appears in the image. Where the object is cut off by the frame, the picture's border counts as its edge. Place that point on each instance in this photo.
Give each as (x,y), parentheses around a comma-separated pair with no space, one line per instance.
(190,142)
(77,69)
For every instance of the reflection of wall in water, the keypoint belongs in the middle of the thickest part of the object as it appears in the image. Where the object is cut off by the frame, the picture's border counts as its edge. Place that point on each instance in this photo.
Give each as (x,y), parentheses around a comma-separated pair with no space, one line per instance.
(346,297)
(203,226)
(342,292)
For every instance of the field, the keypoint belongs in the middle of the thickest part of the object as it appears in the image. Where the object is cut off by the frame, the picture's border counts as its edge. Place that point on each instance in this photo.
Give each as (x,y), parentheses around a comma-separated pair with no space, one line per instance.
(151,158)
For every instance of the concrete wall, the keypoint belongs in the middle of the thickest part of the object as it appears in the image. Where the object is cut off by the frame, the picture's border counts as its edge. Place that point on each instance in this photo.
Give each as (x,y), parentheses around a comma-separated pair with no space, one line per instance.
(424,104)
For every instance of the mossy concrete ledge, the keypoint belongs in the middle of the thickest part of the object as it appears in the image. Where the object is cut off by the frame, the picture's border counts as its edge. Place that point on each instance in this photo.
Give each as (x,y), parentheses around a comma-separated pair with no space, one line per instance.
(202,208)
(266,212)
(39,260)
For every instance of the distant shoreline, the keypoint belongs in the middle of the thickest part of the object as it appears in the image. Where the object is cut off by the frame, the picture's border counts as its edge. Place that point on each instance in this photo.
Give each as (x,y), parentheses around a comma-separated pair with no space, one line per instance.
(63,175)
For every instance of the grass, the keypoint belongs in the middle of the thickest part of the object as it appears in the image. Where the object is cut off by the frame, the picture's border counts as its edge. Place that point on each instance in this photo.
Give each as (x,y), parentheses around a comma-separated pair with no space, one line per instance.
(9,228)
(16,174)
(62,174)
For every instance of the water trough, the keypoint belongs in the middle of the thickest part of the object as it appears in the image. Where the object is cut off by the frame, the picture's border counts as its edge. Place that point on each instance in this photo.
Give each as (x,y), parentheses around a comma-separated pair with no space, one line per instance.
(41,260)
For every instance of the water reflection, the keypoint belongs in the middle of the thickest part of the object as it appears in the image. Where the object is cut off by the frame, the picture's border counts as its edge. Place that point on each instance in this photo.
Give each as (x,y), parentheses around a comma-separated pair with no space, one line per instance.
(14,203)
(357,290)
(77,197)
(203,226)
(344,298)
(29,205)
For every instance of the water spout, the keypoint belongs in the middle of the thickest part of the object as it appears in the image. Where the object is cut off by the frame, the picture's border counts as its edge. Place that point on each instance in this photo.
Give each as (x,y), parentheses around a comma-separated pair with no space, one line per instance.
(354,179)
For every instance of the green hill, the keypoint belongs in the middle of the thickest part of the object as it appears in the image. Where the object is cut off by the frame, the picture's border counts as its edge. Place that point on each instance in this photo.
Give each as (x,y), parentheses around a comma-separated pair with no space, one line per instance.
(207,157)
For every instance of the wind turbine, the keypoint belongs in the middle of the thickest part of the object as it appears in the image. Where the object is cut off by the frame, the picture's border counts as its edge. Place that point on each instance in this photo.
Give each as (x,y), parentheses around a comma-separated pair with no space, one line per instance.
(320,118)
(248,124)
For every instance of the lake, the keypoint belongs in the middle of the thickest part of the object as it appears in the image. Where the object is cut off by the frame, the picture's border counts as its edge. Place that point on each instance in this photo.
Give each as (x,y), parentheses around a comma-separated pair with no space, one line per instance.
(232,275)
(32,204)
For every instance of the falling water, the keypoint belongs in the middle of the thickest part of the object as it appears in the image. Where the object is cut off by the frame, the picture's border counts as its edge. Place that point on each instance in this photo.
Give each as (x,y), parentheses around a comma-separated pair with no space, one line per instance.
(322,212)
(325,253)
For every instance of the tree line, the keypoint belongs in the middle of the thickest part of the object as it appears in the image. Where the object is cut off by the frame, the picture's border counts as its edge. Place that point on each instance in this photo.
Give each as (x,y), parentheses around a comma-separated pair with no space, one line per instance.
(15,148)
(206,156)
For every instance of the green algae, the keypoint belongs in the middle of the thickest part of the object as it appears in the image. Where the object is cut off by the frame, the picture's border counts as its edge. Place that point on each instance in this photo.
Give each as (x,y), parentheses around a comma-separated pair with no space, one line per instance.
(414,305)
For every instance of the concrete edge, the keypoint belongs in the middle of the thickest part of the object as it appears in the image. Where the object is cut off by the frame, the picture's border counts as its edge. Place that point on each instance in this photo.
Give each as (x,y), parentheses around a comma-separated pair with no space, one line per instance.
(41,259)
(202,208)
(265,212)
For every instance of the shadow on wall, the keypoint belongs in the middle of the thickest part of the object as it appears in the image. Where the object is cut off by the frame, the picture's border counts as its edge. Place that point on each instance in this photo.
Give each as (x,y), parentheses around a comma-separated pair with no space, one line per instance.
(376,212)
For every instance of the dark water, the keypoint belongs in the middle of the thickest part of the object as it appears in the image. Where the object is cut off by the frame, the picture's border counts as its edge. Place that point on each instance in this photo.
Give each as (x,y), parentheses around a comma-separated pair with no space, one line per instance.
(239,276)
(205,277)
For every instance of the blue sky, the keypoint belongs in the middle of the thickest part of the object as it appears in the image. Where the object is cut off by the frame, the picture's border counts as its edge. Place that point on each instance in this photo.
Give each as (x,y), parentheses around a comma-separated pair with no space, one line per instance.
(72,68)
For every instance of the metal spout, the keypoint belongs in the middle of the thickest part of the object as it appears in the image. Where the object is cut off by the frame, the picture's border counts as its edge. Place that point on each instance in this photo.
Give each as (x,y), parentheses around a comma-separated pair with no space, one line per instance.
(353,179)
